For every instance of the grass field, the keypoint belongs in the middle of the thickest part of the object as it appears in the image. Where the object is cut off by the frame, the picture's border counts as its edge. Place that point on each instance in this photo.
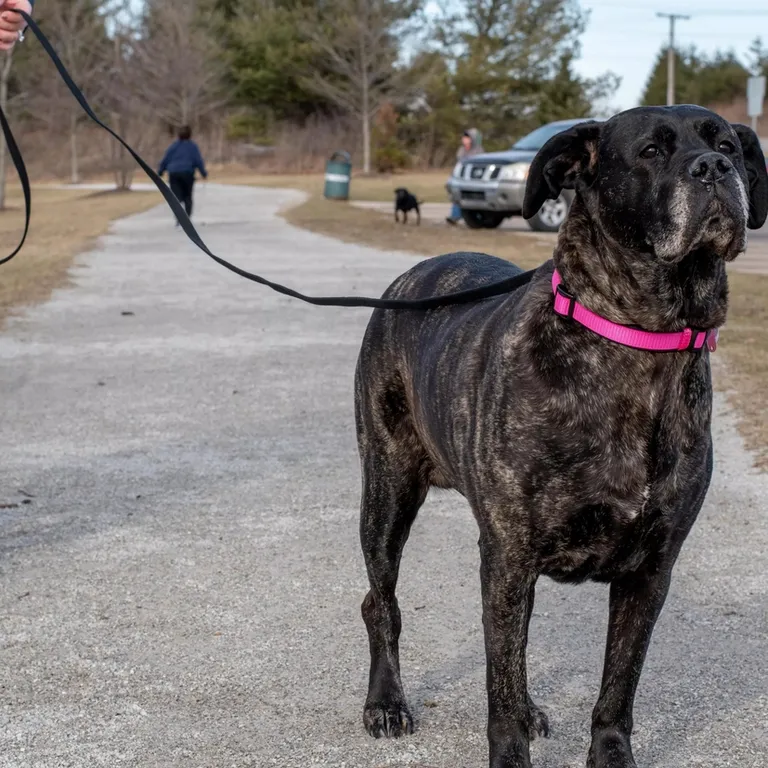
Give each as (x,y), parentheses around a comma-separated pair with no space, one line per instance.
(429,187)
(355,225)
(744,346)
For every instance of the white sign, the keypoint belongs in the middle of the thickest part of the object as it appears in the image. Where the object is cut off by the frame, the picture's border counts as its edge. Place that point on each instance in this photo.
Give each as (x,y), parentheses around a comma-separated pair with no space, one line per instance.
(755,96)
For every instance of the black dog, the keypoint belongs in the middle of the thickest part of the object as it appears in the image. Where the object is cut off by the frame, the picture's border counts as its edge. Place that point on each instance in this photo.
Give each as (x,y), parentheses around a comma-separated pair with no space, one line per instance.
(581,458)
(405,201)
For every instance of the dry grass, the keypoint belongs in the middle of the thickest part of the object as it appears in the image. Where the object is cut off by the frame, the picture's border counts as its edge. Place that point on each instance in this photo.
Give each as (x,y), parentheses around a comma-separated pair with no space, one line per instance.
(355,225)
(428,186)
(744,369)
(64,223)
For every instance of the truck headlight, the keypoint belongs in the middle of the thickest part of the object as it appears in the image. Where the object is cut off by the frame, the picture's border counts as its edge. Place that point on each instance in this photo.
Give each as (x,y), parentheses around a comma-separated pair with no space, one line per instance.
(514,172)
(457,170)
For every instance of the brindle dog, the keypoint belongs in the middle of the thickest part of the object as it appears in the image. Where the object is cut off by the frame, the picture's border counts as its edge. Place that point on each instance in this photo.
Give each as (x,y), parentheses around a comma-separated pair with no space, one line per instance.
(580,458)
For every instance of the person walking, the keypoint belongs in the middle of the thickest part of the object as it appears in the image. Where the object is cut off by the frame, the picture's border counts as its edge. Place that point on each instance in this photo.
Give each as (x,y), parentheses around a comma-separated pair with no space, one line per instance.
(471,144)
(181,160)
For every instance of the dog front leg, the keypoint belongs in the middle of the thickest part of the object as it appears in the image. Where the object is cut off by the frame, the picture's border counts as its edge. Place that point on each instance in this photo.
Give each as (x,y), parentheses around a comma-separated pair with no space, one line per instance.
(508,593)
(636,602)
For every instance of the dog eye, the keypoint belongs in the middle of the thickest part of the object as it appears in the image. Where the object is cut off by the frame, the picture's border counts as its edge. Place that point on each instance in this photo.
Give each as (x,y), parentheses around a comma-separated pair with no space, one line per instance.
(650,151)
(726,148)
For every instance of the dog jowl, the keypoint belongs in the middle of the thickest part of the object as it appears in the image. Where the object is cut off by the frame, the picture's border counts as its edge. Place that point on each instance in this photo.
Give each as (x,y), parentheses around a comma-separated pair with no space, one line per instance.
(581,457)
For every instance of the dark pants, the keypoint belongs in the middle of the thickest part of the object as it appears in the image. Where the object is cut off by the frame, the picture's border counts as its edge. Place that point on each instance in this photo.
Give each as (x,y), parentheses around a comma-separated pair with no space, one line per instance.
(181,186)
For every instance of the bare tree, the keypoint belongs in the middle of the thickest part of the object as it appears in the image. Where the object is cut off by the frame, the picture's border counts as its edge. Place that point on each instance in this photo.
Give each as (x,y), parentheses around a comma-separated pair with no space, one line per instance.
(129,113)
(78,31)
(163,73)
(5,74)
(357,43)
(177,64)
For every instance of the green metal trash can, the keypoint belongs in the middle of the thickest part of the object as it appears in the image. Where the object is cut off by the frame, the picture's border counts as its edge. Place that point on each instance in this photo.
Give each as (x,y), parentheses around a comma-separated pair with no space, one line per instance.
(337,174)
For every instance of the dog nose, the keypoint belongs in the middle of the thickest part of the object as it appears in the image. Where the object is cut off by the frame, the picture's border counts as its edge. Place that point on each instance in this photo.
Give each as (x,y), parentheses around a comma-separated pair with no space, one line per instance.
(710,167)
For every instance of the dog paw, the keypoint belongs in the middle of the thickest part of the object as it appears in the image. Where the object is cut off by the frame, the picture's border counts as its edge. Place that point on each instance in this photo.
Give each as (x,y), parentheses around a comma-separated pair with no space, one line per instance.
(539,723)
(390,720)
(610,749)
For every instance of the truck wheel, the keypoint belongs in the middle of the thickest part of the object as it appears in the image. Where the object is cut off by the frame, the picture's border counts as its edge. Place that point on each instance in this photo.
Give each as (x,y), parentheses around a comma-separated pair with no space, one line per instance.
(551,215)
(481,219)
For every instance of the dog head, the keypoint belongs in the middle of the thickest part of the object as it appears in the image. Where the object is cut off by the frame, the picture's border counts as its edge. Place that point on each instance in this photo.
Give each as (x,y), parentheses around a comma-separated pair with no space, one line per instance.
(659,180)
(401,193)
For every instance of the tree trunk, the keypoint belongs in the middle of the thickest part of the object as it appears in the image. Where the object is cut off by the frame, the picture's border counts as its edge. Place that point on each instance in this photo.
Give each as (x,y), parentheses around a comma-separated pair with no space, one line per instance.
(220,142)
(75,175)
(5,73)
(112,145)
(366,142)
(430,155)
(124,161)
(365,96)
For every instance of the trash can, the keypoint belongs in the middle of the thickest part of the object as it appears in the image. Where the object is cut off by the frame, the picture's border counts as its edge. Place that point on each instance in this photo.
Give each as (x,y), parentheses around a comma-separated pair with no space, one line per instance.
(337,173)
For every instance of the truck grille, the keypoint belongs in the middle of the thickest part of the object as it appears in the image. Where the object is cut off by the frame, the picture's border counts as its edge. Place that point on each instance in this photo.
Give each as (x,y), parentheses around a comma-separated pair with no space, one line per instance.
(476,171)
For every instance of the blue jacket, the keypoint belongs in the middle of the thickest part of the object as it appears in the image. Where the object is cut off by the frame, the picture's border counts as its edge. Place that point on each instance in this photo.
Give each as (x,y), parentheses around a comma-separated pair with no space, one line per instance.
(183,157)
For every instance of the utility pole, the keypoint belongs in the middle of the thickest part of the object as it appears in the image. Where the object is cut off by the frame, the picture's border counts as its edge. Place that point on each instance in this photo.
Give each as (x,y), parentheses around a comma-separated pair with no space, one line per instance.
(671,54)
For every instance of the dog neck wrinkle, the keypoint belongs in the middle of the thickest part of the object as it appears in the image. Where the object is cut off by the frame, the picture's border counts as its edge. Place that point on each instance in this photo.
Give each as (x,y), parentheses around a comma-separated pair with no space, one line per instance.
(633,289)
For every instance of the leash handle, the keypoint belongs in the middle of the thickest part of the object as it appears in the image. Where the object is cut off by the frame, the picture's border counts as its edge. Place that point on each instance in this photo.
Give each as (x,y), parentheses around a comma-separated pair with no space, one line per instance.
(460,297)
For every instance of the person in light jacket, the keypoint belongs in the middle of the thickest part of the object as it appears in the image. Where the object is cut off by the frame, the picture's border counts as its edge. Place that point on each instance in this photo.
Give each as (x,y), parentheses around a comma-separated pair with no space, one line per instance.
(471,144)
(181,160)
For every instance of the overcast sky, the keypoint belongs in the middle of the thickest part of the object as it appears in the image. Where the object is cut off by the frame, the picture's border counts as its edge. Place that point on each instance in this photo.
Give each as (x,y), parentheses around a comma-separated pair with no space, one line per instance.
(625,35)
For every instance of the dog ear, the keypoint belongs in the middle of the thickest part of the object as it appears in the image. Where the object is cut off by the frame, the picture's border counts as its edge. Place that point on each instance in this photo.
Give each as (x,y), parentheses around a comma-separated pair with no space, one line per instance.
(754,160)
(560,163)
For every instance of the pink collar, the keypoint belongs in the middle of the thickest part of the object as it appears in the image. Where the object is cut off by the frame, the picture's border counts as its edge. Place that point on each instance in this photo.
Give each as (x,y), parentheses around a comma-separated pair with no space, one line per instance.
(687,339)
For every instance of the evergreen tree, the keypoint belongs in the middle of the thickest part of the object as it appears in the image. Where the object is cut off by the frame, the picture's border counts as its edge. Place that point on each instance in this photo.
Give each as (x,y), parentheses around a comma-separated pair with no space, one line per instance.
(513,64)
(698,79)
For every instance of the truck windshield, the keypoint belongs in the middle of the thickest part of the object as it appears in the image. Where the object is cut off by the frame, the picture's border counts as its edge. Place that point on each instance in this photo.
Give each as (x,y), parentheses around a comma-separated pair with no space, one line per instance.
(538,138)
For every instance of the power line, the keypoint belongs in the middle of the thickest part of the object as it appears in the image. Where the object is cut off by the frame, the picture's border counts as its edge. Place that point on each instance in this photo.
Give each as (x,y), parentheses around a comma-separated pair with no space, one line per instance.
(673,17)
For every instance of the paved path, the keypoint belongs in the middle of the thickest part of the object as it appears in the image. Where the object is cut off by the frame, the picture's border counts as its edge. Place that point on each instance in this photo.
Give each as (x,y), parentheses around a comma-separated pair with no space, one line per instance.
(754,261)
(183,587)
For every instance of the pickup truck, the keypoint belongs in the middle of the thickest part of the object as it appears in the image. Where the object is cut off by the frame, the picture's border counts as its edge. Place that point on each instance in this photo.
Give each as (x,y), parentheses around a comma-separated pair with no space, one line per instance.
(490,187)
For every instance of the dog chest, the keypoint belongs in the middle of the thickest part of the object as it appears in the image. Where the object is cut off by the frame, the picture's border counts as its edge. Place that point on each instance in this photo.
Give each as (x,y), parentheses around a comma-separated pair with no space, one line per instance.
(601,478)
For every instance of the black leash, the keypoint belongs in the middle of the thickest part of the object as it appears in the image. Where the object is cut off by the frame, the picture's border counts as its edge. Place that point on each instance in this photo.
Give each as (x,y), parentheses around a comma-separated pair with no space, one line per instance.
(21,170)
(459,297)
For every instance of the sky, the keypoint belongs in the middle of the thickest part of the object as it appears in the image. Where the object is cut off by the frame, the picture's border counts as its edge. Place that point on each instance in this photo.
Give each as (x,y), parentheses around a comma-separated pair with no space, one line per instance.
(625,36)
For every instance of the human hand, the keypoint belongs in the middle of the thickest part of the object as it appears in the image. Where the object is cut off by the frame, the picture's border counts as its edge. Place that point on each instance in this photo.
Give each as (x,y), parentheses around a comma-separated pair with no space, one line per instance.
(11,23)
